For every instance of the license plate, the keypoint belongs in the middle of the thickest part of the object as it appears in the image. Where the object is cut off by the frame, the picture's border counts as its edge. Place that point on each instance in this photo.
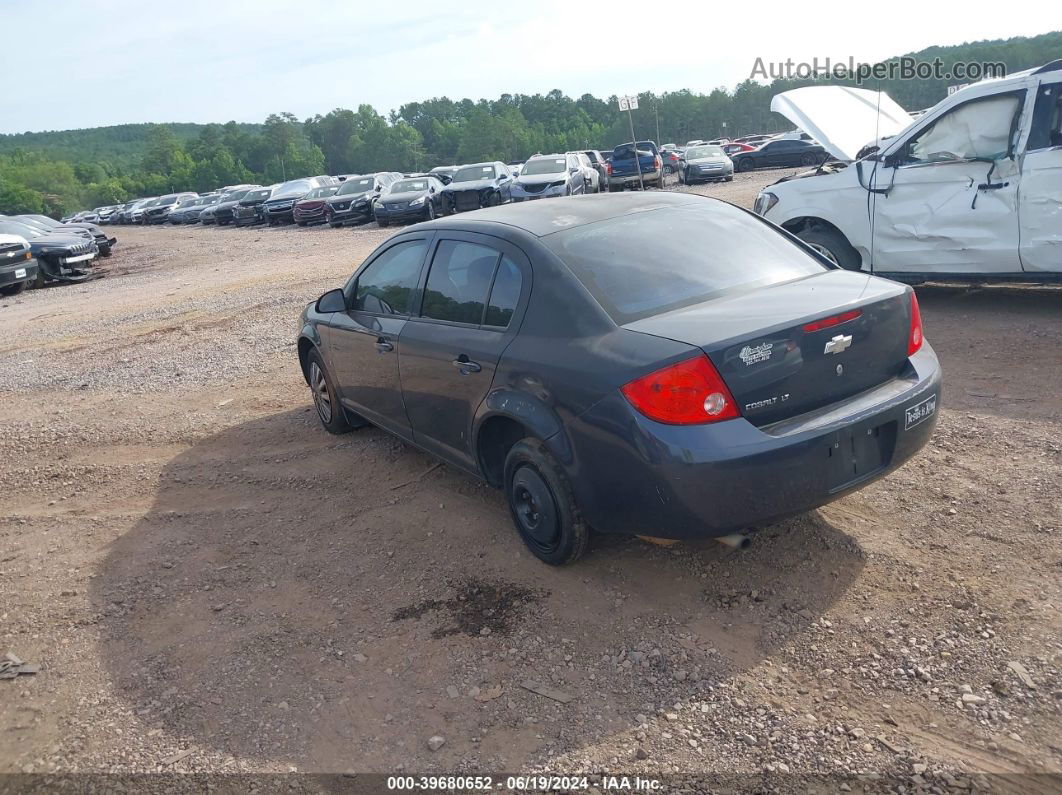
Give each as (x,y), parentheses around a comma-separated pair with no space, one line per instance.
(80,258)
(919,412)
(20,273)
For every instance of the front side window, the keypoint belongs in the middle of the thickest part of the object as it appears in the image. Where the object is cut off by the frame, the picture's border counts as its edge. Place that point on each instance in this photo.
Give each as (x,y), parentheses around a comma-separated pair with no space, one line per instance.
(1047,117)
(977,130)
(386,286)
(458,282)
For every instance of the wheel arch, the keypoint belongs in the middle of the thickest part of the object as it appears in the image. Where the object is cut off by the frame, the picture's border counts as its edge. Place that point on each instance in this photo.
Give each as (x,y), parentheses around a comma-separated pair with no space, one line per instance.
(506,417)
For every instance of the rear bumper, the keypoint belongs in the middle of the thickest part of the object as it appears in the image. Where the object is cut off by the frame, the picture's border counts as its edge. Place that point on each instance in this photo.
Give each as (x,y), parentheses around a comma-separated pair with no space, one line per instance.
(631,180)
(636,476)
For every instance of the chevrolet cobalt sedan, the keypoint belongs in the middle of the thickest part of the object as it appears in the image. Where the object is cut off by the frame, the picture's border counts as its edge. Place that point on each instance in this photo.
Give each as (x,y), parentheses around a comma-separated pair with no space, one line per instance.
(662,364)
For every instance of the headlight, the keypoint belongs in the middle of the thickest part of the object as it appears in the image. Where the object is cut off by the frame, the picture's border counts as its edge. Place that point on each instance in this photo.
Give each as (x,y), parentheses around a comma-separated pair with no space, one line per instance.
(418,202)
(764,202)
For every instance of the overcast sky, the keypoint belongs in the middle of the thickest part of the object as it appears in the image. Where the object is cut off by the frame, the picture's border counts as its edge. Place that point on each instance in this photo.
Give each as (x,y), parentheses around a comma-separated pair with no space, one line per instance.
(111,62)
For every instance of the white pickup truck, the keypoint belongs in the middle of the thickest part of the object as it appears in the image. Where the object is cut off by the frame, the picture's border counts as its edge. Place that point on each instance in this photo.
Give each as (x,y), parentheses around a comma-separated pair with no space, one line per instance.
(970,190)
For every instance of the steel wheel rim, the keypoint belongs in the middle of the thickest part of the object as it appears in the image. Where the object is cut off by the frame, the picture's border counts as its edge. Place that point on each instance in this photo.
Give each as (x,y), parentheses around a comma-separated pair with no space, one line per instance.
(535,510)
(821,249)
(320,392)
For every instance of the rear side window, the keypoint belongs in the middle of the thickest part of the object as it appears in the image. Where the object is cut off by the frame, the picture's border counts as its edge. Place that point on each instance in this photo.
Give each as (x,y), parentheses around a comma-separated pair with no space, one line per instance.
(386,286)
(650,262)
(459,281)
(504,295)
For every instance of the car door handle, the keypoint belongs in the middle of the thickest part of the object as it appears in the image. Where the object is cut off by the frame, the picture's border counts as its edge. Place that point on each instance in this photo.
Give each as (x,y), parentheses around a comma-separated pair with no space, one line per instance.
(466,365)
(383,346)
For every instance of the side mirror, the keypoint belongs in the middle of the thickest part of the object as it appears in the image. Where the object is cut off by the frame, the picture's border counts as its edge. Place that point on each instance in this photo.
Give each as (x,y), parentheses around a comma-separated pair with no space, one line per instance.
(332,301)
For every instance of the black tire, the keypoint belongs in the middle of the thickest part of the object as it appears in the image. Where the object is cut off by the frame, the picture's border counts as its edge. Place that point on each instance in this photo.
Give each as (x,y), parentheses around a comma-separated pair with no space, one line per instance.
(494,200)
(329,411)
(744,164)
(542,505)
(834,246)
(730,178)
(334,225)
(39,281)
(808,160)
(301,223)
(13,289)
(381,223)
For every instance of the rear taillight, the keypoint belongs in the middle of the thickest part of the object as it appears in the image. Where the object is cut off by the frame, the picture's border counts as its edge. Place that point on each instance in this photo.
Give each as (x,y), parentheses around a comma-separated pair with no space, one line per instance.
(658,163)
(914,338)
(690,392)
(608,169)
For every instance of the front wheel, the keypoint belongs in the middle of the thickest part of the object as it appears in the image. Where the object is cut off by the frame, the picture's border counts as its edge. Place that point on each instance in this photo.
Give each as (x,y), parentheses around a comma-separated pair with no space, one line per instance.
(329,412)
(429,211)
(808,160)
(13,289)
(833,246)
(381,223)
(542,504)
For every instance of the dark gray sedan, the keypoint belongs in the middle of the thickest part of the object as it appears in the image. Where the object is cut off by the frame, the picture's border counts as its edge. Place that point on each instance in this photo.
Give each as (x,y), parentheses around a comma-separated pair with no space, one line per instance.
(662,364)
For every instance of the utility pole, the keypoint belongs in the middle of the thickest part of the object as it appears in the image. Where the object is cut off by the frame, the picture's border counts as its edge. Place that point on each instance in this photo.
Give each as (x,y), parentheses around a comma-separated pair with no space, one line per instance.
(631,104)
(656,110)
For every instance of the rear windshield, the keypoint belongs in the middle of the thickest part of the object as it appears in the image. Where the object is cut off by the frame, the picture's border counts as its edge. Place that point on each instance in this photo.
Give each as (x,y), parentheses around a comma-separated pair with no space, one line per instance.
(651,262)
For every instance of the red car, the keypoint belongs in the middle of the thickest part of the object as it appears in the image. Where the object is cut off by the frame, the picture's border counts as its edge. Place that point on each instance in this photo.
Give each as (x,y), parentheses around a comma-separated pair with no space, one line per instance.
(735,148)
(310,209)
(672,161)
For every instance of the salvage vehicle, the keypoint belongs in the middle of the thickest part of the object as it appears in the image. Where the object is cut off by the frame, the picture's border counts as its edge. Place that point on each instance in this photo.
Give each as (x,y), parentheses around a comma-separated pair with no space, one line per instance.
(310,209)
(90,231)
(411,199)
(279,207)
(591,178)
(248,210)
(703,163)
(221,213)
(479,185)
(136,215)
(600,164)
(625,170)
(189,208)
(61,256)
(666,365)
(970,190)
(549,176)
(125,214)
(734,148)
(782,153)
(18,269)
(443,173)
(156,213)
(356,198)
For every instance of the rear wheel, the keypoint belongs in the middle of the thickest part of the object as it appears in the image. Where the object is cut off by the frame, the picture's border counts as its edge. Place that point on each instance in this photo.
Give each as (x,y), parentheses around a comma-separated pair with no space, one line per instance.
(744,164)
(833,246)
(542,504)
(381,222)
(808,160)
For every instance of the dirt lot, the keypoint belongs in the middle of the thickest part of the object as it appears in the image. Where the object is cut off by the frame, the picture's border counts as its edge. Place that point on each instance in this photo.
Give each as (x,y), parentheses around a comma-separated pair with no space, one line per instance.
(210,582)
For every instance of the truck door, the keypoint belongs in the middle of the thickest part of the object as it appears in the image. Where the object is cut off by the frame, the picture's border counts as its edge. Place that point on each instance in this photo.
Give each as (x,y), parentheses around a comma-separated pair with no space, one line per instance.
(950,200)
(1040,194)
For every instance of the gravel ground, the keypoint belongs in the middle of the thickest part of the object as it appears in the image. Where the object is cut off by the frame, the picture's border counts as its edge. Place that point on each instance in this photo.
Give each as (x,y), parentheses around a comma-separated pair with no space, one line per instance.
(211,583)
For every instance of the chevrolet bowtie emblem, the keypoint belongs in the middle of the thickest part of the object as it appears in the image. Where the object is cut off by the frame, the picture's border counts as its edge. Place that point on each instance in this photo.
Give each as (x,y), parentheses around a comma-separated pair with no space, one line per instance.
(839,344)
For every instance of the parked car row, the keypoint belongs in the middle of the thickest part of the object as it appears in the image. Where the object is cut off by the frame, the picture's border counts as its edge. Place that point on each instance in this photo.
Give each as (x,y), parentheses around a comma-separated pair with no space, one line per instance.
(36,249)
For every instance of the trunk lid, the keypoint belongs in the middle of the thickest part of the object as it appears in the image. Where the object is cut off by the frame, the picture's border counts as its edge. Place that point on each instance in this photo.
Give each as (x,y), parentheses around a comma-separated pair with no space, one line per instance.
(773,366)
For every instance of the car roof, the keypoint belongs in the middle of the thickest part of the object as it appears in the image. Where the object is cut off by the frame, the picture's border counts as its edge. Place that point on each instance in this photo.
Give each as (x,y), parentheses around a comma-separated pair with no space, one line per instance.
(543,218)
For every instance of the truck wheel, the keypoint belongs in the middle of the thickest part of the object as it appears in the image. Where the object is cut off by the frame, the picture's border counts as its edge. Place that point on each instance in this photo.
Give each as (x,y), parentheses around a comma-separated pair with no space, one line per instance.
(13,289)
(542,504)
(832,245)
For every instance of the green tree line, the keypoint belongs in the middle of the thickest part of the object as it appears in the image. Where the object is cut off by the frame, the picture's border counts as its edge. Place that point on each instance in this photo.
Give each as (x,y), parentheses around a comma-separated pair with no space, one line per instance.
(56,172)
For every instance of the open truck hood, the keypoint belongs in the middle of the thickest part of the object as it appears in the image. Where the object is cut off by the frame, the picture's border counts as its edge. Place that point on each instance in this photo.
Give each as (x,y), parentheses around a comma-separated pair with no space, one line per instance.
(842,119)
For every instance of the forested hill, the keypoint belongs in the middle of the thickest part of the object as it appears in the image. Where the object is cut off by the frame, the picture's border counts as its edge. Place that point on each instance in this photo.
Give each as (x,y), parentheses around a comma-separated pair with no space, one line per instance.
(121,143)
(59,171)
